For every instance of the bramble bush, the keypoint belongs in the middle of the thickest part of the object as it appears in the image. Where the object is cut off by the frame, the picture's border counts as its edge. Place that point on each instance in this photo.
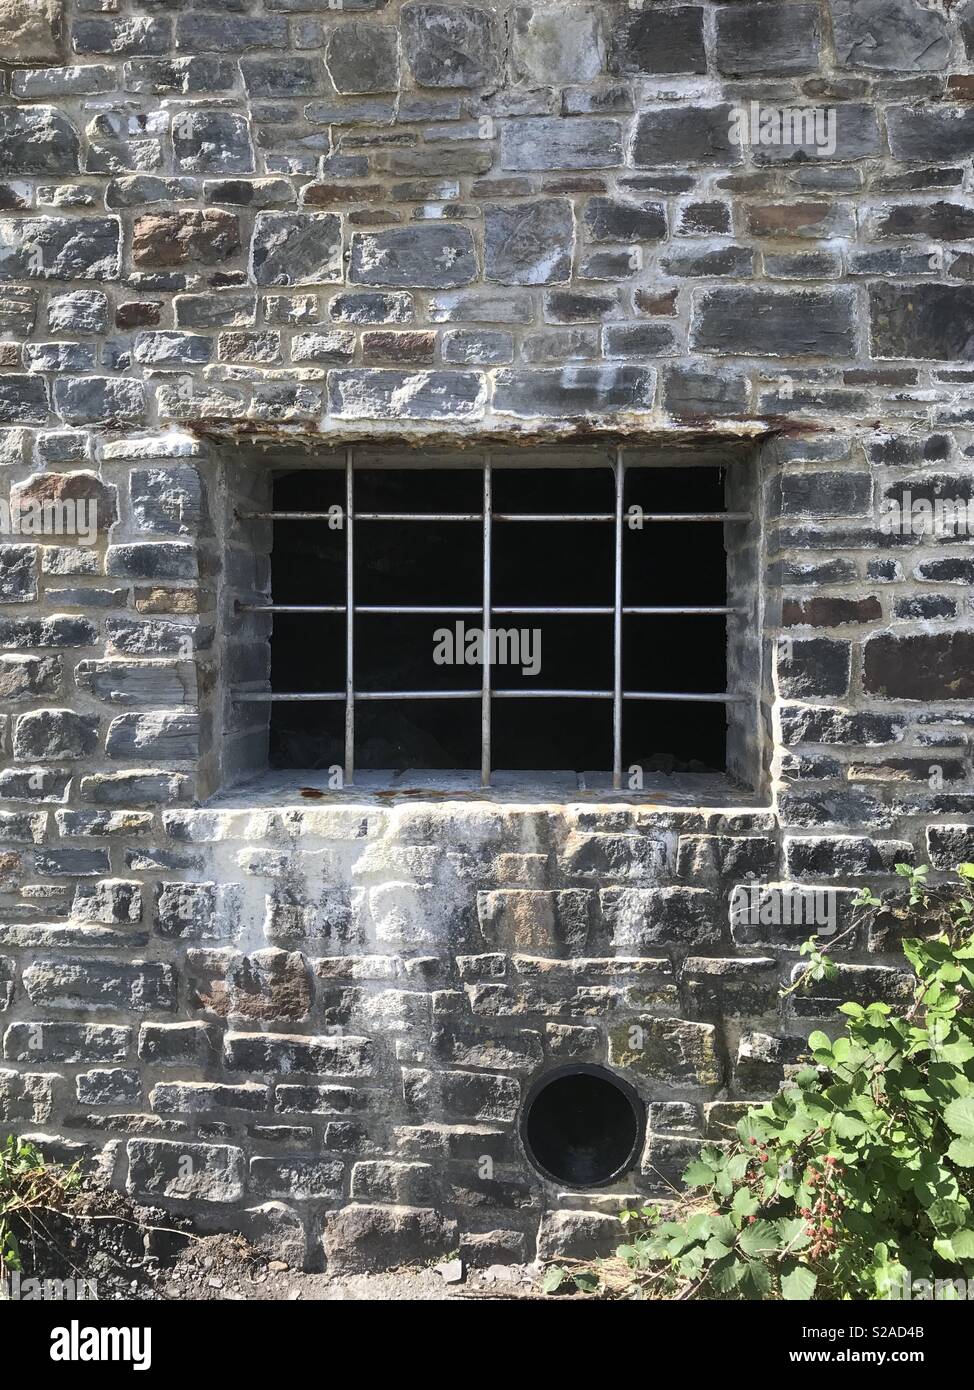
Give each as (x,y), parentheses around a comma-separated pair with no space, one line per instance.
(29,1187)
(856,1176)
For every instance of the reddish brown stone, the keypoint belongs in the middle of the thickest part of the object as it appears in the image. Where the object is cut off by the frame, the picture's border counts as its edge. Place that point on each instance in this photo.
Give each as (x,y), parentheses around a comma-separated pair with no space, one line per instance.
(64,487)
(138,313)
(923,666)
(324,195)
(176,238)
(659,304)
(830,612)
(407,349)
(269,986)
(788,219)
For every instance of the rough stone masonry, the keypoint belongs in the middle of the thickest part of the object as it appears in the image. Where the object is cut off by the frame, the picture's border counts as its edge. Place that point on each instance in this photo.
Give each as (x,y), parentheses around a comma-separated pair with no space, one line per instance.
(298,223)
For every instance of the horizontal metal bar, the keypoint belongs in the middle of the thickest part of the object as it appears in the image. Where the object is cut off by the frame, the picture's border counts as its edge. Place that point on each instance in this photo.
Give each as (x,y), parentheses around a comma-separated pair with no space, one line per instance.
(692,697)
(419,516)
(289,516)
(544,610)
(498,516)
(273,697)
(292,608)
(265,697)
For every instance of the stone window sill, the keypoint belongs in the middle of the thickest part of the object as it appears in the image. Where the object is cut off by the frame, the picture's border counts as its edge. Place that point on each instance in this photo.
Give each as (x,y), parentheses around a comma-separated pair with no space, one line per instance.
(689,791)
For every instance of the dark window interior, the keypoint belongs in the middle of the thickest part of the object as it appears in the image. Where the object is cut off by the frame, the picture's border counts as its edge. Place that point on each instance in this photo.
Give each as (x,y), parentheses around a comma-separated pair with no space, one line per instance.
(547,563)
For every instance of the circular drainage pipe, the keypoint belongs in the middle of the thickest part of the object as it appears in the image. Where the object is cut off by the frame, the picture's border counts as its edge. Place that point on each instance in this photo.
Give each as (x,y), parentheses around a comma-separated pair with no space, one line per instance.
(582,1126)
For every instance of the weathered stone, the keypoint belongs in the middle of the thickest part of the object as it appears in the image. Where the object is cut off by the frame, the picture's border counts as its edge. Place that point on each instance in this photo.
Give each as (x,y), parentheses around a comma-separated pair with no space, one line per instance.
(931,132)
(438,257)
(24,678)
(753,39)
(695,390)
(359,1238)
(159,736)
(640,918)
(448,45)
(543,143)
(97,400)
(29,31)
(363,57)
(556,923)
(384,394)
(891,35)
(138,987)
(271,986)
(843,856)
(68,1043)
(212,142)
(109,902)
(109,1087)
(59,248)
(187,1172)
(921,666)
(814,667)
(78,311)
(573,391)
(611,219)
(529,243)
(932,321)
(297,248)
(683,134)
(775,323)
(577,1235)
(55,734)
(557,43)
(139,683)
(950,845)
(18,573)
(207,237)
(36,139)
(668,1051)
(167,499)
(658,42)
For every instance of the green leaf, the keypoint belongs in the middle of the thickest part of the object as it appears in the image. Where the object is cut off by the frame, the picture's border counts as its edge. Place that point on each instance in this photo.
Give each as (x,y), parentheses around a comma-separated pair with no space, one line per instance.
(961,1152)
(759,1239)
(699,1175)
(959,1115)
(586,1281)
(727,1274)
(757,1281)
(846,1126)
(798,1285)
(744,1203)
(819,1042)
(553,1279)
(963,1244)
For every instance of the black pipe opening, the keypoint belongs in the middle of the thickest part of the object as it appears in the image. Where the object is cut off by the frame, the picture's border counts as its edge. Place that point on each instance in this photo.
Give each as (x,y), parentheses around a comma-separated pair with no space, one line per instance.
(582,1126)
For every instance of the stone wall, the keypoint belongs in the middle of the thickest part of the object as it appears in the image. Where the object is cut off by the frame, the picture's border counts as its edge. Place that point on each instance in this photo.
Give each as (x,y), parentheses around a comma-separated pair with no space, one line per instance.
(301,225)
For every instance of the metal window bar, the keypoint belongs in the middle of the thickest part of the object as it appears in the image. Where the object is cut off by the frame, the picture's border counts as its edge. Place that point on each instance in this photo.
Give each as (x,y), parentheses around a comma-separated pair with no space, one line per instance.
(487,693)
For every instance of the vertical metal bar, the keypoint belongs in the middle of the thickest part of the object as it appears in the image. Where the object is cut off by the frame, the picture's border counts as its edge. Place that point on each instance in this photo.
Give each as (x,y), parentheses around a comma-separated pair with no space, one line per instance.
(485,695)
(349,620)
(617,680)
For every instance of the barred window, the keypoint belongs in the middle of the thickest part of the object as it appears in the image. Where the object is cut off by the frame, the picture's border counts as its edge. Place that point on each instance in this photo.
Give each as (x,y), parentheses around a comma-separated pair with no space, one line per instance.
(583,613)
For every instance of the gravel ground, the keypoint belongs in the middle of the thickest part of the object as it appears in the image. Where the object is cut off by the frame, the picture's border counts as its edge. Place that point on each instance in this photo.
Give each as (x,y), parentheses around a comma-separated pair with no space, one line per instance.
(138,1253)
